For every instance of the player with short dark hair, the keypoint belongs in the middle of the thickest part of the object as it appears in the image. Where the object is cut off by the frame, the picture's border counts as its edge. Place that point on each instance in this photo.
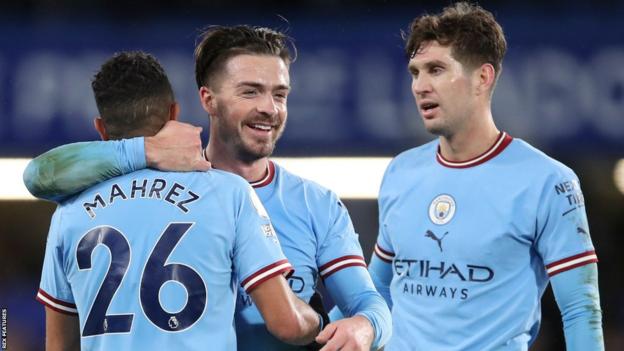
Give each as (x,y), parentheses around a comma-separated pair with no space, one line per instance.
(132,93)
(474,225)
(243,78)
(473,35)
(151,260)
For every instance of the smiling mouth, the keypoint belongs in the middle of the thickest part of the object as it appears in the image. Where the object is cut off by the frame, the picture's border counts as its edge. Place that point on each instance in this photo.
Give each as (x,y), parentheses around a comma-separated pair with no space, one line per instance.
(260,127)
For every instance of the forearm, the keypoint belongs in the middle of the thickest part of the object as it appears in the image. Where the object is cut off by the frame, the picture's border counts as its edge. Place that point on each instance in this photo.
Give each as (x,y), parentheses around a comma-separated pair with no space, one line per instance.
(54,343)
(381,275)
(286,316)
(577,295)
(62,332)
(355,295)
(297,325)
(309,323)
(69,169)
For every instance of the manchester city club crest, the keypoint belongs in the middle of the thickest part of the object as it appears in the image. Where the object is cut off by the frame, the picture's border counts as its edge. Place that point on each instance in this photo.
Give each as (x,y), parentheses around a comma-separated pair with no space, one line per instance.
(442,209)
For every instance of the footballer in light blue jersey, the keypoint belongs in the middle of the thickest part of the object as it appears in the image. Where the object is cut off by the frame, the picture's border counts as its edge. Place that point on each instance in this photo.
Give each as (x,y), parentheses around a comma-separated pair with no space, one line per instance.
(466,249)
(317,236)
(313,226)
(473,226)
(153,260)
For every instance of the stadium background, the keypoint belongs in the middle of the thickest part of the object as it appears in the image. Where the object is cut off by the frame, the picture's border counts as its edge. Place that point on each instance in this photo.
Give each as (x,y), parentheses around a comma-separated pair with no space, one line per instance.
(562,89)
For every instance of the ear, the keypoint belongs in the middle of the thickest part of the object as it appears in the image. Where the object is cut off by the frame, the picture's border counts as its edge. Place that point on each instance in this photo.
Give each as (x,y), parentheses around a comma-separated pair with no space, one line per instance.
(208,100)
(98,122)
(484,79)
(174,111)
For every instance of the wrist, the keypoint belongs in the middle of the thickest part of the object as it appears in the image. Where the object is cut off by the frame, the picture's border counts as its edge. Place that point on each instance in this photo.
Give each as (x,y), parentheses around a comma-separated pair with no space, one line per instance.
(150,147)
(321,322)
(370,333)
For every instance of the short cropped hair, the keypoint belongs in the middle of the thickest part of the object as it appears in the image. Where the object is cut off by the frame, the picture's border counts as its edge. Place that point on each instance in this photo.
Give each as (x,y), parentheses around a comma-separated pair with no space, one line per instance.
(133,95)
(472,33)
(219,43)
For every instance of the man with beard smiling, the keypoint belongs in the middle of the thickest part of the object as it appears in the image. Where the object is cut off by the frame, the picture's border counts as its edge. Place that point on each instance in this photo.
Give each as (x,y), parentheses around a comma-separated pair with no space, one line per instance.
(243,80)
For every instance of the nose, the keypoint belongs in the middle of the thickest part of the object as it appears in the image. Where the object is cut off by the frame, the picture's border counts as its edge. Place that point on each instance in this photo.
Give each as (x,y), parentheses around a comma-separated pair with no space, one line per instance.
(267,105)
(421,85)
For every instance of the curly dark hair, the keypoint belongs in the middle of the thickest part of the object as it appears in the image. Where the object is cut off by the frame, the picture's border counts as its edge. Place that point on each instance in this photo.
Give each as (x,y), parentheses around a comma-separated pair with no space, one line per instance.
(219,43)
(472,33)
(133,94)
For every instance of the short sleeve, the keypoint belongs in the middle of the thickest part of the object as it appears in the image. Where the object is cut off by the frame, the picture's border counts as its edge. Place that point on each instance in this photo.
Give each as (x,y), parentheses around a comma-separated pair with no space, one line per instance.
(257,252)
(383,246)
(339,247)
(563,239)
(54,289)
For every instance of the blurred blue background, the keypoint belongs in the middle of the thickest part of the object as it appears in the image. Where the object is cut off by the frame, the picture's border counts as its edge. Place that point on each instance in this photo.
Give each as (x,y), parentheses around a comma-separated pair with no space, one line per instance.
(562,89)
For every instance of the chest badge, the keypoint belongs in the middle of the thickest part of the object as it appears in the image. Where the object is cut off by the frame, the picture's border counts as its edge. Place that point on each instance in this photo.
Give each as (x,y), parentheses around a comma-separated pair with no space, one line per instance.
(442,209)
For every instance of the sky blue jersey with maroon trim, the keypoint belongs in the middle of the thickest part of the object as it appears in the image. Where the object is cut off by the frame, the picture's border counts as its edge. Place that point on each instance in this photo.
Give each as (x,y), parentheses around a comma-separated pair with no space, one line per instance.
(153,260)
(318,238)
(466,249)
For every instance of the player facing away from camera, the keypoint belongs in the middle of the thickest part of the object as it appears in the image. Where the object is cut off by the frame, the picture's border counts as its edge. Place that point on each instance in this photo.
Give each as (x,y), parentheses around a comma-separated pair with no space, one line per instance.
(150,260)
(473,226)
(243,80)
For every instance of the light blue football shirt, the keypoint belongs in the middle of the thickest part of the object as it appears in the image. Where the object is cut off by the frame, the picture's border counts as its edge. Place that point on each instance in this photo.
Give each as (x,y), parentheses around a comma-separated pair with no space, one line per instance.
(317,237)
(472,245)
(153,260)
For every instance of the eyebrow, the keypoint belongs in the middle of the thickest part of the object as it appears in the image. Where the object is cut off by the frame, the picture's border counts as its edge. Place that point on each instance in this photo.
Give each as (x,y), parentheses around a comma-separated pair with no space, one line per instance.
(261,86)
(433,63)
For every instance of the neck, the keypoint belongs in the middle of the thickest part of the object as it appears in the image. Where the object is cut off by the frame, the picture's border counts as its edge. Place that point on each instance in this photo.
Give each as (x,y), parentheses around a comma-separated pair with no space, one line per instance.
(475,138)
(226,160)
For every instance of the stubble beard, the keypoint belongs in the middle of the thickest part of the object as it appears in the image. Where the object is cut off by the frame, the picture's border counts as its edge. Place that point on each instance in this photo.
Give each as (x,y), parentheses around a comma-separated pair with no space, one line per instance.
(442,128)
(246,150)
(447,126)
(251,153)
